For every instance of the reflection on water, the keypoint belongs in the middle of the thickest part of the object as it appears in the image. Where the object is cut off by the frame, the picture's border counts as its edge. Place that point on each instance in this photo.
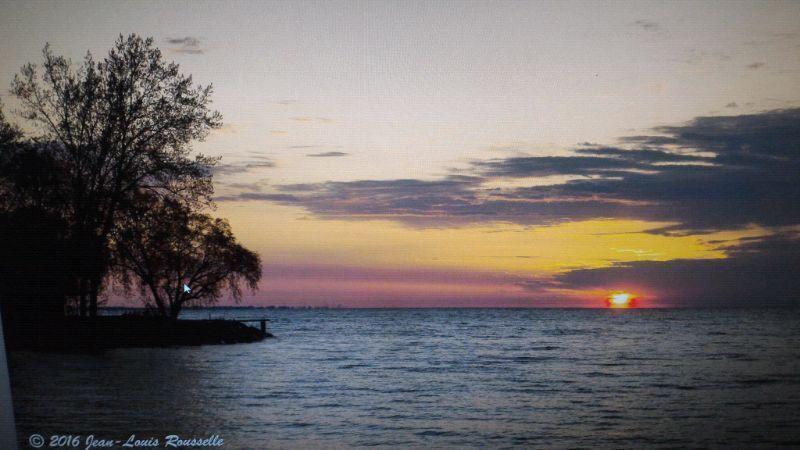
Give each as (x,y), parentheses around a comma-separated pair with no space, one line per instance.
(446,378)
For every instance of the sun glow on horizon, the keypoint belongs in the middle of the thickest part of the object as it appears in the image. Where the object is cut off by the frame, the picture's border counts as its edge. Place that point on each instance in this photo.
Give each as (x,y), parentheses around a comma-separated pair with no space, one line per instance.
(621,299)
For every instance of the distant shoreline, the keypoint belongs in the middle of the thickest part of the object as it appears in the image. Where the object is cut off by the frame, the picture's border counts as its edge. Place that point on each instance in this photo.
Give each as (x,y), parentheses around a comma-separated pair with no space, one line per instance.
(665,308)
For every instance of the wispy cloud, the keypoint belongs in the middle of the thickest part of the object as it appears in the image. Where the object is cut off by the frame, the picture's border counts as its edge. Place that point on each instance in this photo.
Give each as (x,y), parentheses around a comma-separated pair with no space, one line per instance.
(647,25)
(696,56)
(252,162)
(306,119)
(187,45)
(327,154)
(308,146)
(257,196)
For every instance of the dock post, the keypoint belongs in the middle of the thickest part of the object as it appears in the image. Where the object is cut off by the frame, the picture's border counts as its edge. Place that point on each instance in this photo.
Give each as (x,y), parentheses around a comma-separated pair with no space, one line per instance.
(263,326)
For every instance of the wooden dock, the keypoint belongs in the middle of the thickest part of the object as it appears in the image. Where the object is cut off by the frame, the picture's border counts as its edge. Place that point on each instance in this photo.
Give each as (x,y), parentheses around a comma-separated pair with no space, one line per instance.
(261,320)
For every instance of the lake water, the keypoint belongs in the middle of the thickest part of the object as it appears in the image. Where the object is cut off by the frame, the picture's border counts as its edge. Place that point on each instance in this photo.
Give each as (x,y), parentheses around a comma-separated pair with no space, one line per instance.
(455,378)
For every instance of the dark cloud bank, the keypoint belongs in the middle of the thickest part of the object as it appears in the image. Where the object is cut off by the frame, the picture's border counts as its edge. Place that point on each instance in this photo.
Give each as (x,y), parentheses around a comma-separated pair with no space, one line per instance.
(760,273)
(710,174)
(714,173)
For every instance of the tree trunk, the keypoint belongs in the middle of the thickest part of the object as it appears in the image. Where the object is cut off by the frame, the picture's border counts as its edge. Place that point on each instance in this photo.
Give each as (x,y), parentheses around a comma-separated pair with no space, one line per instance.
(157,299)
(175,308)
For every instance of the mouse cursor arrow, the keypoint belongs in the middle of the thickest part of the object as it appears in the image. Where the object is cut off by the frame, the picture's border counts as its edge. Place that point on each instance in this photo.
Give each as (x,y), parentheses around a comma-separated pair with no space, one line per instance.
(186,289)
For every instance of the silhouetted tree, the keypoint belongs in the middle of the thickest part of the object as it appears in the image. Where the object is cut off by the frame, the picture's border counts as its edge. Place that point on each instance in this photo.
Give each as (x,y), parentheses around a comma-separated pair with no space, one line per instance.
(9,134)
(117,127)
(164,245)
(37,271)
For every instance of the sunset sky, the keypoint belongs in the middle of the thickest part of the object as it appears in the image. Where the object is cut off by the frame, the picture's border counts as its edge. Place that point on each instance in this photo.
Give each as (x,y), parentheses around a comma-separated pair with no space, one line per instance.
(485,153)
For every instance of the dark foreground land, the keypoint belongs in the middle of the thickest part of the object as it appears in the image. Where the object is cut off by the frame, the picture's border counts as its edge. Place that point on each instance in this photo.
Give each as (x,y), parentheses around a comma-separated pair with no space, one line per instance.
(106,332)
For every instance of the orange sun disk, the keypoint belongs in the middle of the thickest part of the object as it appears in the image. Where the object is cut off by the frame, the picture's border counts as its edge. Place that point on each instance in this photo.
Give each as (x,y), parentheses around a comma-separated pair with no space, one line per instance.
(621,300)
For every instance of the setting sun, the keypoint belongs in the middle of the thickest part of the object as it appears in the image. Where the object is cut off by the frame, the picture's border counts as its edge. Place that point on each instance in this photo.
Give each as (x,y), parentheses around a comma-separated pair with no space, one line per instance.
(620,300)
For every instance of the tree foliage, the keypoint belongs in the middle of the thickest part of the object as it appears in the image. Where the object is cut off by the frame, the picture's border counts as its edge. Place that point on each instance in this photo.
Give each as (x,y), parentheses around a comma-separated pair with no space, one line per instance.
(107,185)
(37,268)
(9,134)
(118,127)
(165,245)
